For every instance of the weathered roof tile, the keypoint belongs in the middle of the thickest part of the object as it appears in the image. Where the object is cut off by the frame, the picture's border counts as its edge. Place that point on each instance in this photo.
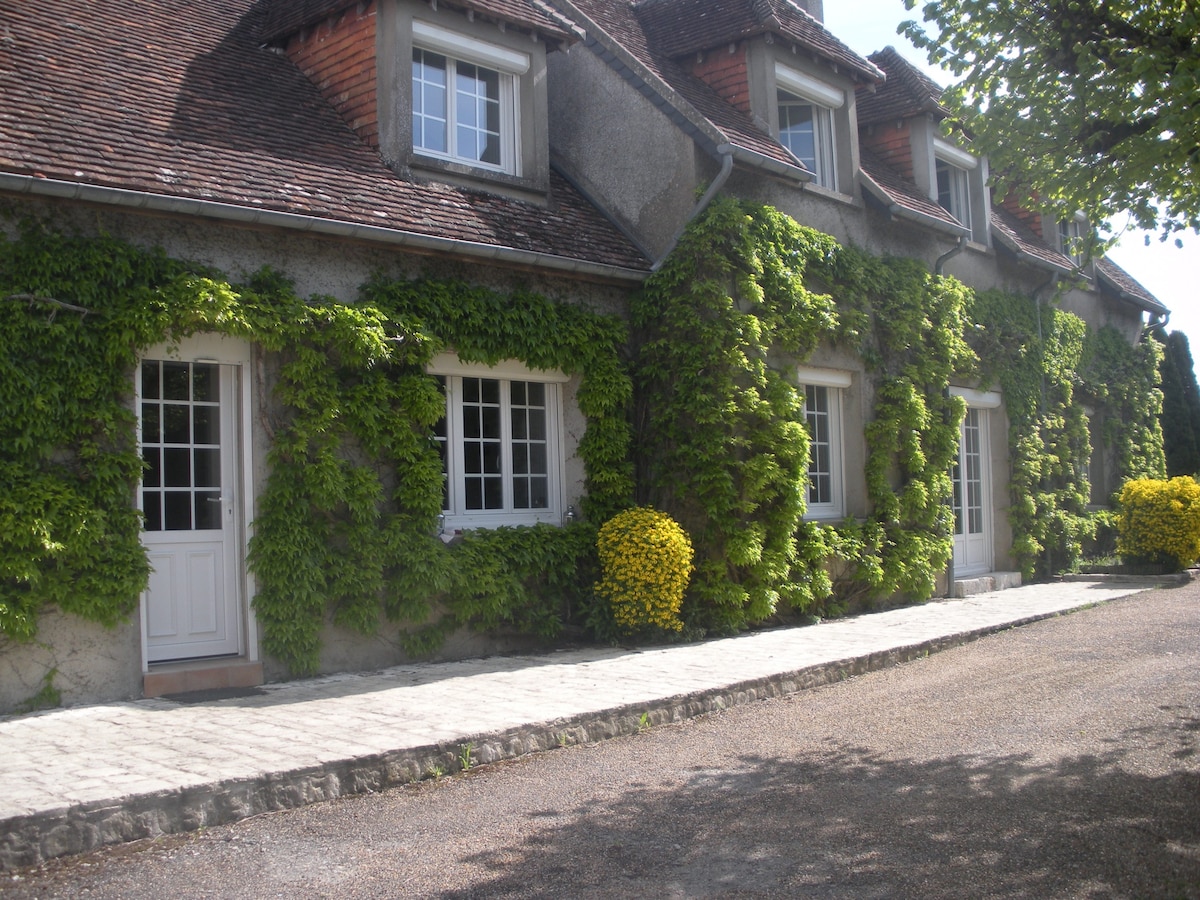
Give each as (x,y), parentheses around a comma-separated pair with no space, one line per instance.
(181,100)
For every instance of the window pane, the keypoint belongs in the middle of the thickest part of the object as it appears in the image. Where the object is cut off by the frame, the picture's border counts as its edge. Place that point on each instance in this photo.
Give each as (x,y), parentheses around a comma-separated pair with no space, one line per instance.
(176,383)
(206,382)
(152,507)
(493,494)
(796,129)
(429,101)
(208,468)
(477,113)
(150,432)
(150,380)
(208,510)
(177,467)
(491,422)
(176,424)
(178,510)
(206,425)
(152,474)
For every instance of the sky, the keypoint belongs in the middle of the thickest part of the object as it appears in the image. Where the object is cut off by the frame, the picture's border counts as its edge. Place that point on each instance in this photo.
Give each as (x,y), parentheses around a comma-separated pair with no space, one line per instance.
(1171,274)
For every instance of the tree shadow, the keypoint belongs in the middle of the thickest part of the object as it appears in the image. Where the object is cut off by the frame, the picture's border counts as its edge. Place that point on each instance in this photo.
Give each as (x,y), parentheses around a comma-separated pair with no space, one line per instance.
(850,822)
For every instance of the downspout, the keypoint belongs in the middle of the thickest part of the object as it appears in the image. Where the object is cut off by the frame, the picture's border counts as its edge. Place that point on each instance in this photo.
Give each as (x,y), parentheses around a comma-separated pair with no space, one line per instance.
(1156,322)
(726,151)
(950,254)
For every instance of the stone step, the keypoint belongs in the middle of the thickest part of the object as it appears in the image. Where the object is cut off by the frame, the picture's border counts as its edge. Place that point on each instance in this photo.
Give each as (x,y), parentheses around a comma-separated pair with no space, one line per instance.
(984,584)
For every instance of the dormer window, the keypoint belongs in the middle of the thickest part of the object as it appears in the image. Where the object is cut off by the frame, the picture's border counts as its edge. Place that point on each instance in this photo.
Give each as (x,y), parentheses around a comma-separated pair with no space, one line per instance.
(464,98)
(1072,238)
(805,110)
(959,187)
(954,190)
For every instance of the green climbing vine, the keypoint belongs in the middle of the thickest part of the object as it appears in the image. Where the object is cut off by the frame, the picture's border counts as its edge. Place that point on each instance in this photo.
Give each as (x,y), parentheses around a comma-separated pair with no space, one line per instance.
(345,525)
(1052,368)
(711,428)
(747,294)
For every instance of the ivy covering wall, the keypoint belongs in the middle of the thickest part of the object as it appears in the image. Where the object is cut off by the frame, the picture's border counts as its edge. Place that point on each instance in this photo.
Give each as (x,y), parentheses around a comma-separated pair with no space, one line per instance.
(345,528)
(714,433)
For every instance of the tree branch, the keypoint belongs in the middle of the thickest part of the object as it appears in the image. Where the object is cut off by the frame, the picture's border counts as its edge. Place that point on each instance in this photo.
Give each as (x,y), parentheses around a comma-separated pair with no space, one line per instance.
(50,301)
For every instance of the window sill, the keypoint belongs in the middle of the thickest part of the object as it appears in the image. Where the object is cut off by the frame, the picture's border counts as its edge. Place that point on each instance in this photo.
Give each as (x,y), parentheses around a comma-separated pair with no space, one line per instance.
(475,177)
(816,190)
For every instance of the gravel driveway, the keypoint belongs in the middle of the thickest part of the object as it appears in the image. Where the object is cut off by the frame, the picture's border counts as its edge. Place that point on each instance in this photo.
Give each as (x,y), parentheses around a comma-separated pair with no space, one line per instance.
(1054,760)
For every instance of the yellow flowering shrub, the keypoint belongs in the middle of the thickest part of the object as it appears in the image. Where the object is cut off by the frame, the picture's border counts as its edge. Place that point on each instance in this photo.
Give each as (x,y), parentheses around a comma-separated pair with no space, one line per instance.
(646,562)
(1159,521)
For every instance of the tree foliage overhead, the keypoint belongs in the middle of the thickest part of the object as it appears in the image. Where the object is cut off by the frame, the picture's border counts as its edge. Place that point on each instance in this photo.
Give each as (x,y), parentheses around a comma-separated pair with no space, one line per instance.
(1090,105)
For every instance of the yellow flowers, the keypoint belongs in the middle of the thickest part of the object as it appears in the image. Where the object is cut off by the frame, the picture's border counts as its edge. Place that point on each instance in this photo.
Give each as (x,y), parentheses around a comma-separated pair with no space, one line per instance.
(646,559)
(1160,519)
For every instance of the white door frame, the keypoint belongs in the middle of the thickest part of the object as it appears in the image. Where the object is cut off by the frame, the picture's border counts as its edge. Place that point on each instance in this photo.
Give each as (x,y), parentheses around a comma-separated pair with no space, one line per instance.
(237,353)
(974,552)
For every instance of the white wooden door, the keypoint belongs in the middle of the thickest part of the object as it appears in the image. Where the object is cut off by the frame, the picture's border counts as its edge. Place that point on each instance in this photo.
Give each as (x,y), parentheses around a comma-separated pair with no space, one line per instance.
(190,447)
(972,504)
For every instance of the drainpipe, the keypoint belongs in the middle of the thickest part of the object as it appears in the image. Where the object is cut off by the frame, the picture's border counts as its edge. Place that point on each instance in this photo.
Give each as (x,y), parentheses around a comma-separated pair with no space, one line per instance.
(1156,322)
(950,254)
(938,266)
(726,151)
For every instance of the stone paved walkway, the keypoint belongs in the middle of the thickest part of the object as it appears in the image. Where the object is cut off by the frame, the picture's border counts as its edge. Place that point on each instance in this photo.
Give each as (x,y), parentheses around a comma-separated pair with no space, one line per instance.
(77,779)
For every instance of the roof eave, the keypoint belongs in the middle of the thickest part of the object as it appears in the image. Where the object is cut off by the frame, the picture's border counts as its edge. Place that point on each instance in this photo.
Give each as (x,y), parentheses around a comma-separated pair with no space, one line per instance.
(338,228)
(898,211)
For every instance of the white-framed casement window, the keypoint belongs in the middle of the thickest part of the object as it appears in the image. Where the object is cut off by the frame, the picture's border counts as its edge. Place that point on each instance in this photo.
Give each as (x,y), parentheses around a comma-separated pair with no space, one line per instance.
(501,443)
(1072,238)
(805,110)
(952,172)
(464,98)
(823,416)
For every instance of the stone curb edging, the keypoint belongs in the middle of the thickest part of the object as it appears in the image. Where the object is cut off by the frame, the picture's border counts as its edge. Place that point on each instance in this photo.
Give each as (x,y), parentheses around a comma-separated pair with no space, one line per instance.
(33,839)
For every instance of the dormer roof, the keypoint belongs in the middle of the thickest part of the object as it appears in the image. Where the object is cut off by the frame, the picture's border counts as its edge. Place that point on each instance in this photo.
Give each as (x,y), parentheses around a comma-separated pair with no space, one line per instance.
(630,40)
(1014,235)
(901,198)
(1117,281)
(907,92)
(682,27)
(182,110)
(283,18)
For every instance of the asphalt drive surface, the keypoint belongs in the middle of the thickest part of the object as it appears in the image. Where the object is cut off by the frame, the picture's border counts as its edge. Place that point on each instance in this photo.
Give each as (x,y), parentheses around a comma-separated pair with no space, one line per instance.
(1059,759)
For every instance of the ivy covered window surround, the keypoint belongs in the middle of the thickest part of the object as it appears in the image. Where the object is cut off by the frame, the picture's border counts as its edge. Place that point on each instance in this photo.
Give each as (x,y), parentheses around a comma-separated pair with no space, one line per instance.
(464,98)
(823,416)
(805,108)
(501,444)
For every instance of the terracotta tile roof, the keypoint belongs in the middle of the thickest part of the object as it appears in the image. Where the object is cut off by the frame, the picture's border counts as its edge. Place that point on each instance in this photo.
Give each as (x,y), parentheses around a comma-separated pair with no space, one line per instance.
(1014,234)
(178,99)
(282,18)
(907,92)
(903,198)
(681,27)
(617,20)
(1116,279)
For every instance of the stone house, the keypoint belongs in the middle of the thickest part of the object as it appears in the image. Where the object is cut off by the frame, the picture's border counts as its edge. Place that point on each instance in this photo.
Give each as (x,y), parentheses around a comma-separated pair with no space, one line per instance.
(521,144)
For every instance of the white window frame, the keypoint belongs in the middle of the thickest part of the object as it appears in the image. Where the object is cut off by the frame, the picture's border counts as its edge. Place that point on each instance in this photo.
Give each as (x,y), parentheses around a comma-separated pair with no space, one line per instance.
(958,165)
(508,65)
(1072,237)
(834,383)
(822,100)
(456,516)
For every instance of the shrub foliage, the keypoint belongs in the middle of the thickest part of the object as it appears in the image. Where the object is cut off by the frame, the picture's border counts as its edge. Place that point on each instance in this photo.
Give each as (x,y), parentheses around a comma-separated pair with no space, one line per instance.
(1159,521)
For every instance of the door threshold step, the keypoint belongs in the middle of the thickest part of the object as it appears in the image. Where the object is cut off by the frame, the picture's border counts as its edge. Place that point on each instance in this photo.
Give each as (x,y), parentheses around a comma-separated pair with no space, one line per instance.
(984,584)
(201,675)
